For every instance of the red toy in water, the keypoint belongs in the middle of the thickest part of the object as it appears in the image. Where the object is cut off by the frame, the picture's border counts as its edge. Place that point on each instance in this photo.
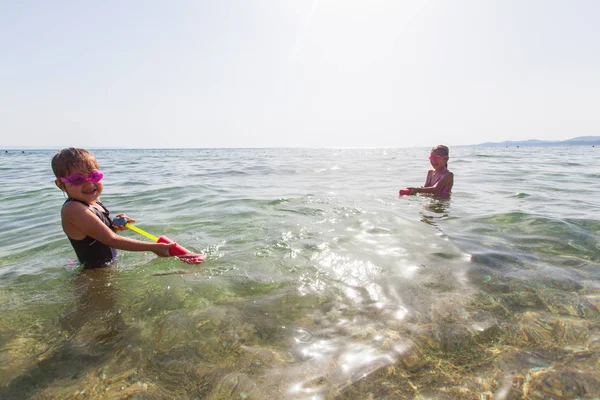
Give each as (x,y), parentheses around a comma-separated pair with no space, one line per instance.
(176,251)
(179,251)
(403,192)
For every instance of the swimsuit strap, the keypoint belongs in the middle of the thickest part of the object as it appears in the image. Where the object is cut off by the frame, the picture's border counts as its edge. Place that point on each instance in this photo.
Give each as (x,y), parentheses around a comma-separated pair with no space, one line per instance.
(104,209)
(72,199)
(439,177)
(100,213)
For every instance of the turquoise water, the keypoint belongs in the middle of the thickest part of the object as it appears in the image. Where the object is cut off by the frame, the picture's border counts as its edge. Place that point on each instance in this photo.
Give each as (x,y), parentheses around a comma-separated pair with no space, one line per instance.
(320,282)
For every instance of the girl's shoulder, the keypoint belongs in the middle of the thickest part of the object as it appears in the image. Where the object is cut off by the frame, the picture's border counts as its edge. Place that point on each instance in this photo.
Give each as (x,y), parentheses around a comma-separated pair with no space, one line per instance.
(447,178)
(73,207)
(447,174)
(72,204)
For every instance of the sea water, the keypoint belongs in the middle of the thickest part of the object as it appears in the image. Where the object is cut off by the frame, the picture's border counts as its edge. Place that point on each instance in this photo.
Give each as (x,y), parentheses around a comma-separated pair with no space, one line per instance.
(320,281)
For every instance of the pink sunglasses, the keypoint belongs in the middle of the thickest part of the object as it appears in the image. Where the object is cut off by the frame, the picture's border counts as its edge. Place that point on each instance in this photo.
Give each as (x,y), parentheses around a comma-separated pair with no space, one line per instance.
(78,179)
(431,158)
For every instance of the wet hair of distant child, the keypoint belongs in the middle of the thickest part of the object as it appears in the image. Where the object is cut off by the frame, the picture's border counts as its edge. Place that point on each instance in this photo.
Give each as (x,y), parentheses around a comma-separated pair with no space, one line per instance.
(67,160)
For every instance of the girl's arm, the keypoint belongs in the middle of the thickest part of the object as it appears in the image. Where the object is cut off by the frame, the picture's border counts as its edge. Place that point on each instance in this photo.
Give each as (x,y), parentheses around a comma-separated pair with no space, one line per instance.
(85,221)
(414,190)
(446,182)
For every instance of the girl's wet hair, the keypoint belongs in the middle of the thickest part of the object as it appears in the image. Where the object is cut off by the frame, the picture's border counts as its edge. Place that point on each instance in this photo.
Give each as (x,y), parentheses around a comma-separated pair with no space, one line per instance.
(68,160)
(441,150)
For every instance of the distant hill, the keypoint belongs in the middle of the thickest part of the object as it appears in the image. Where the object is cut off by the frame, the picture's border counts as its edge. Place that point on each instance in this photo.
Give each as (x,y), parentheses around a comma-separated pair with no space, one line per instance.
(577,141)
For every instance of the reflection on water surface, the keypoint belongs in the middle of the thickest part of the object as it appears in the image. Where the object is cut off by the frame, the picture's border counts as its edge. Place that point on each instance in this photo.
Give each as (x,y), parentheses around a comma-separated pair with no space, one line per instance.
(311,289)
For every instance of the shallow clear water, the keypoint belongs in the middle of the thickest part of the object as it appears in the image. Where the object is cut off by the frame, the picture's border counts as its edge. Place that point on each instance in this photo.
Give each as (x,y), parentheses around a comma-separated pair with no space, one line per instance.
(320,282)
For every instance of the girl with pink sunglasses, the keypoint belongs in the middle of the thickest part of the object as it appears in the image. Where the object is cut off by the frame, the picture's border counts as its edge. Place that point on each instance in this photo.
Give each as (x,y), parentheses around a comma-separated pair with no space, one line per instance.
(85,220)
(439,180)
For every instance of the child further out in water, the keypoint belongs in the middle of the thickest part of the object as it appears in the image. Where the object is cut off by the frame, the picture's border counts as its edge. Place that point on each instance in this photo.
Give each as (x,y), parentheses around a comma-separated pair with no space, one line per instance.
(85,220)
(439,180)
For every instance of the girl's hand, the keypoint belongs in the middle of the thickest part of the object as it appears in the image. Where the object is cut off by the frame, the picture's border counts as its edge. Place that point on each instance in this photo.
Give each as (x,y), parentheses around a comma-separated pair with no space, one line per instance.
(162,249)
(413,190)
(121,218)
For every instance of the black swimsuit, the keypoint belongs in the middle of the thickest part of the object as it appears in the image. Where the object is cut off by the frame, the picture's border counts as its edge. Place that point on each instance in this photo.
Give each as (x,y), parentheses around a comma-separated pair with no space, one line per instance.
(90,252)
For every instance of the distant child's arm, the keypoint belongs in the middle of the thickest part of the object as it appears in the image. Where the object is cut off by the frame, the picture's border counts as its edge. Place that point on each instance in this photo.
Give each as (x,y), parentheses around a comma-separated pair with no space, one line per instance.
(447,181)
(84,220)
(415,190)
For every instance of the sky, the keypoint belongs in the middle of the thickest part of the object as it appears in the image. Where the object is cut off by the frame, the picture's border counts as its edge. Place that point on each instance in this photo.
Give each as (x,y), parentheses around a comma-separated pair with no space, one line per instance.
(297,73)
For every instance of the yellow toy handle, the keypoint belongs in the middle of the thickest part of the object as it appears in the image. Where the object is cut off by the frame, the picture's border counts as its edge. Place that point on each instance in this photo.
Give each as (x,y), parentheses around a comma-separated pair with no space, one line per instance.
(141,232)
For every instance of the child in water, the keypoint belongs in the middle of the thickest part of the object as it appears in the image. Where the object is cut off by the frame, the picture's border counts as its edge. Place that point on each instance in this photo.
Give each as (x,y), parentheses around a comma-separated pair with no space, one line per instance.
(439,180)
(85,220)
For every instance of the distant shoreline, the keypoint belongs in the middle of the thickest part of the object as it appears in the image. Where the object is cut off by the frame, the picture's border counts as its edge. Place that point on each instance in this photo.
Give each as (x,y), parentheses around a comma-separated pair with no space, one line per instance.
(588,141)
(577,141)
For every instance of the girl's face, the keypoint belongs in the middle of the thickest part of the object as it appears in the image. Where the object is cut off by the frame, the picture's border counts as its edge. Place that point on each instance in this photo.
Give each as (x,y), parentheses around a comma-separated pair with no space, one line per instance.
(87,192)
(438,162)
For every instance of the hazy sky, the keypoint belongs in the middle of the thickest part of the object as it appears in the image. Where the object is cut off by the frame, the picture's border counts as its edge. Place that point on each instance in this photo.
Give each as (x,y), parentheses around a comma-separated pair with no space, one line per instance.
(297,73)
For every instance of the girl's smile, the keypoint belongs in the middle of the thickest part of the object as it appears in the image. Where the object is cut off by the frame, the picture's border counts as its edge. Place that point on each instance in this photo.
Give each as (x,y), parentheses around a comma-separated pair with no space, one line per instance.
(89,191)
